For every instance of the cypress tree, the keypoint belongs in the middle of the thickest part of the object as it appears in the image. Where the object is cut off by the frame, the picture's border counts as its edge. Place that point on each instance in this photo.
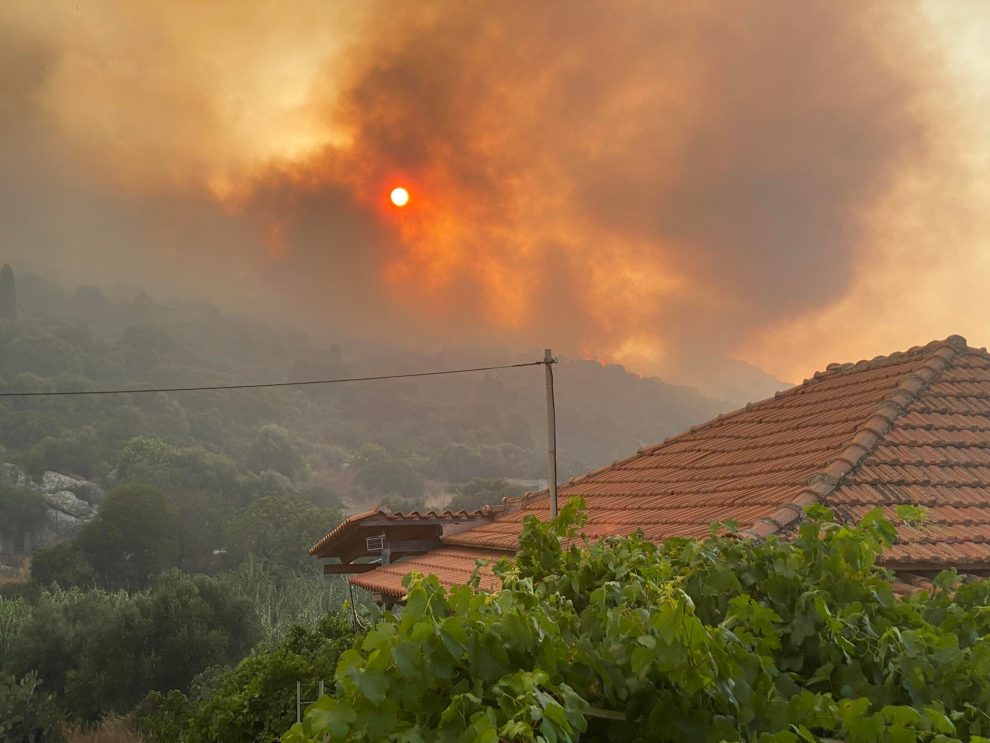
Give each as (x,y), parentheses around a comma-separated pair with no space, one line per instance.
(8,295)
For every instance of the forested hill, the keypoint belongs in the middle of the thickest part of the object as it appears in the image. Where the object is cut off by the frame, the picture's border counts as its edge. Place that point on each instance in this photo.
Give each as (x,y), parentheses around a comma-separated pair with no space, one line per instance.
(185,545)
(448,429)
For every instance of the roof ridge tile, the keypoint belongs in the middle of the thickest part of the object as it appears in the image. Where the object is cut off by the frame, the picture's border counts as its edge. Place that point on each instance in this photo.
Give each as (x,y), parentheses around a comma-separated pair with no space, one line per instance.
(822,484)
(954,344)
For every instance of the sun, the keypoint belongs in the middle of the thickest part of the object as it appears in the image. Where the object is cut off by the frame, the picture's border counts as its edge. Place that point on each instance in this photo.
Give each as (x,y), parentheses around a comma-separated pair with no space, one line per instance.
(399,196)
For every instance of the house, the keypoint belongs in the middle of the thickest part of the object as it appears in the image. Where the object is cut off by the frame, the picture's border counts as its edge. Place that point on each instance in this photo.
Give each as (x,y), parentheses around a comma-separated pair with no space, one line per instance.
(912,428)
(384,543)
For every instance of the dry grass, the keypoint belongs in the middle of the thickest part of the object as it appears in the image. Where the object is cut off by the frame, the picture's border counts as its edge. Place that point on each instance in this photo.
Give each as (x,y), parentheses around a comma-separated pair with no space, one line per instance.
(21,575)
(111,730)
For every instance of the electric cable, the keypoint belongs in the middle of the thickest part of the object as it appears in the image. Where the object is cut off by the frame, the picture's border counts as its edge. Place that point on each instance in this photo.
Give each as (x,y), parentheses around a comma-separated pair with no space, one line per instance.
(268,385)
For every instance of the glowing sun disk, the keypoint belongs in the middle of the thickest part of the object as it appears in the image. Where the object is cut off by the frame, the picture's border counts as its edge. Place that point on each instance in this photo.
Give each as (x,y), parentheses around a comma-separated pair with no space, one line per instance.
(399,196)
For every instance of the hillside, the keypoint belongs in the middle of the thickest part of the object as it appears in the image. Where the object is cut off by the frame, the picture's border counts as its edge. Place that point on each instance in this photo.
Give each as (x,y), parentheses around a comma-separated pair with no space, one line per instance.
(450,429)
(167,534)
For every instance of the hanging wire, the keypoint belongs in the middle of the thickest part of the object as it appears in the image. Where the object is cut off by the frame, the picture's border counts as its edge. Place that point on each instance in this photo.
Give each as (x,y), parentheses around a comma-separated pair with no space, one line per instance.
(267,385)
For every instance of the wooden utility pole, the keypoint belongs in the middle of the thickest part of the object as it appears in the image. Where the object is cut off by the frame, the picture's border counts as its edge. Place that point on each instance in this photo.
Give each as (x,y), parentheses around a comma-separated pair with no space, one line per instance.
(8,296)
(549,361)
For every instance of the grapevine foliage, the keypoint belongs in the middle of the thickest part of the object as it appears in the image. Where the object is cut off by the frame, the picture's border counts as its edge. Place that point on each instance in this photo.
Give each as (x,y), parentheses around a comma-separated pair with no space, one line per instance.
(716,640)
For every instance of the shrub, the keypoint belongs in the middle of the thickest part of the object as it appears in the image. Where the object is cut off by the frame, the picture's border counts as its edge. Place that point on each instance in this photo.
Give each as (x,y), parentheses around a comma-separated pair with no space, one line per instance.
(281,529)
(478,493)
(21,509)
(256,700)
(721,639)
(78,452)
(390,478)
(64,565)
(273,449)
(102,652)
(27,715)
(133,537)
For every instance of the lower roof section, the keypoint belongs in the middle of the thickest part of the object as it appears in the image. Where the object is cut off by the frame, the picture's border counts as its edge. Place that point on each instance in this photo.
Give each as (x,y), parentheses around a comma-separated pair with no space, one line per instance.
(452,565)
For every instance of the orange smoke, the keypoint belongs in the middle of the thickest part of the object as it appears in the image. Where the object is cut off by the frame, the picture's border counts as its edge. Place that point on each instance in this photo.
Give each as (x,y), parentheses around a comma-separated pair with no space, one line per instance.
(637,182)
(659,182)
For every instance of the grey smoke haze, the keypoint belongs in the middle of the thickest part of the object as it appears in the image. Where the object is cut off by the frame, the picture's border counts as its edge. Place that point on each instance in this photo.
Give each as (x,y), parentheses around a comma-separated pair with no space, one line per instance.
(654,183)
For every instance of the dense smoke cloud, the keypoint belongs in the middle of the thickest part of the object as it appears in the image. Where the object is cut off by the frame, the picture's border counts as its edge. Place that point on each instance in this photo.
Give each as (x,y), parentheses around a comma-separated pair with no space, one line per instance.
(654,183)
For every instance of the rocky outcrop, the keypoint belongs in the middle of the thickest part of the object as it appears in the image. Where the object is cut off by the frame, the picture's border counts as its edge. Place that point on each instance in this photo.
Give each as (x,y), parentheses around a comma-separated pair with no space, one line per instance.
(59,526)
(55,482)
(68,503)
(71,503)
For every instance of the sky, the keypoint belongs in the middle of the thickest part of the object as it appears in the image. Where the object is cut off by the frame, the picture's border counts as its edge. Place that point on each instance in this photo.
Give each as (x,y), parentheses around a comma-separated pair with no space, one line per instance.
(689,189)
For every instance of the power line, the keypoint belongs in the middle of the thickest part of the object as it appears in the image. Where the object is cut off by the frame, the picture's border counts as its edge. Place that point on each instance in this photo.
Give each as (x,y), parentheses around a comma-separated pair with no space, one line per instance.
(307,383)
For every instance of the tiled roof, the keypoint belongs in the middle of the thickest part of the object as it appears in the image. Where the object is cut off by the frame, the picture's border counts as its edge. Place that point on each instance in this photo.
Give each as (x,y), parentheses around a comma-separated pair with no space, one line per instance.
(909,428)
(452,565)
(341,528)
(323,547)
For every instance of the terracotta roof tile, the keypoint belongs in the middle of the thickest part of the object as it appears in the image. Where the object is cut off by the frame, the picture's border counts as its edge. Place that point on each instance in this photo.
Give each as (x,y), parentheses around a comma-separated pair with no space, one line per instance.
(451,565)
(910,428)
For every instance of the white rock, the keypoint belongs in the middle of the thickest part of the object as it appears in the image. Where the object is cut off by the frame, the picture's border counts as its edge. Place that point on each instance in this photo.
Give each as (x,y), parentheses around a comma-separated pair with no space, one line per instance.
(55,482)
(52,482)
(63,525)
(67,502)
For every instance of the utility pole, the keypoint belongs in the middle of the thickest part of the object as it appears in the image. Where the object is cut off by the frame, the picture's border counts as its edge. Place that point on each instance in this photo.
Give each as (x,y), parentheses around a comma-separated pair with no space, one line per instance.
(549,361)
(8,297)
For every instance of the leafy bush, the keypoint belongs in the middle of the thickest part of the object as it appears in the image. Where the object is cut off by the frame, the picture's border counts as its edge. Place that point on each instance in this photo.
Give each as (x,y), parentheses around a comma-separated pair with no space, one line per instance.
(722,639)
(27,715)
(460,462)
(79,452)
(102,652)
(155,462)
(274,449)
(390,479)
(21,509)
(133,537)
(256,700)
(65,565)
(162,717)
(148,460)
(281,529)
(478,493)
